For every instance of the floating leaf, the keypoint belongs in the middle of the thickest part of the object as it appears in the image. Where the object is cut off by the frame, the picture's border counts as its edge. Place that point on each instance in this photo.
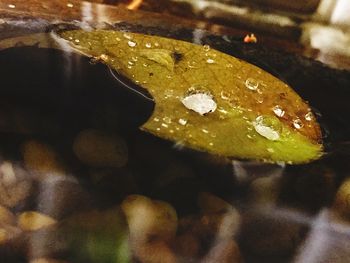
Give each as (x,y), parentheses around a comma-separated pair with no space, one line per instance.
(256,116)
(245,95)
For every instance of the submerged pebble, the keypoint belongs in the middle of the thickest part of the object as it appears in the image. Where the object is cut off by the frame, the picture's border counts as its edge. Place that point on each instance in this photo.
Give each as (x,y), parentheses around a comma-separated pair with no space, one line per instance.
(47,260)
(32,221)
(100,149)
(149,219)
(9,234)
(15,184)
(155,252)
(6,216)
(342,199)
(226,251)
(41,158)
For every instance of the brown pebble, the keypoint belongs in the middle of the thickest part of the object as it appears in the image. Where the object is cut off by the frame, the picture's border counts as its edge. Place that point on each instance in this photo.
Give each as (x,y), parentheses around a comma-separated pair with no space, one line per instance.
(154,252)
(99,149)
(47,260)
(32,221)
(40,157)
(342,199)
(269,235)
(15,184)
(224,251)
(148,219)
(9,233)
(6,216)
(187,246)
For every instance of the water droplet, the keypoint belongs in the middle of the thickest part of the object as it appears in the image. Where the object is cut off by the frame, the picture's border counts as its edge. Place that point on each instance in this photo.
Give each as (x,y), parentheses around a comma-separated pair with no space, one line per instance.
(267,127)
(12,6)
(224,95)
(156,44)
(158,129)
(168,93)
(118,39)
(201,103)
(131,43)
(298,124)
(127,36)
(192,64)
(260,99)
(229,65)
(223,111)
(70,5)
(148,45)
(167,120)
(309,116)
(156,119)
(206,48)
(131,63)
(165,125)
(252,84)
(145,65)
(134,59)
(270,150)
(183,122)
(171,131)
(279,112)
(205,131)
(77,41)
(210,61)
(211,144)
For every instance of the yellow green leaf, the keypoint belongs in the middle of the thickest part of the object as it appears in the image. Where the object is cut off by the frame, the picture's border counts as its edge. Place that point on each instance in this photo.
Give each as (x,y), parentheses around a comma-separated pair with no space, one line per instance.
(208,100)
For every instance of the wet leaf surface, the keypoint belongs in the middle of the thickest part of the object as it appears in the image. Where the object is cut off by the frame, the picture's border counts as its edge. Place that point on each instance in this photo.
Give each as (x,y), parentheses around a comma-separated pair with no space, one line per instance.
(257,115)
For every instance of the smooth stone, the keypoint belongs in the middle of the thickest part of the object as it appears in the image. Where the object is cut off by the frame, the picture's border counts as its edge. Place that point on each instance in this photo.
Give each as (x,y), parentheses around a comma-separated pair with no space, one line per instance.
(41,158)
(15,184)
(60,196)
(149,219)
(32,221)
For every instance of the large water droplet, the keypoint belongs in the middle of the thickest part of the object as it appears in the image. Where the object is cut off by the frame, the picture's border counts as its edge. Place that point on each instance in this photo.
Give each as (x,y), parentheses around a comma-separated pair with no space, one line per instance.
(148,45)
(268,127)
(167,120)
(201,103)
(252,84)
(183,121)
(279,112)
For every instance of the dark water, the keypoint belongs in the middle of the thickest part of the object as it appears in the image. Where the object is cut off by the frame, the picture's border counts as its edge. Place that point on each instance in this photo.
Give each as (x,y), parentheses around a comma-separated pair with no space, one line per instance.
(50,96)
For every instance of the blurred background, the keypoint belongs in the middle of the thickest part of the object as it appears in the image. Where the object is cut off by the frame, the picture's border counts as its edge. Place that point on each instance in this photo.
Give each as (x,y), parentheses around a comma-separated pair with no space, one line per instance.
(320,26)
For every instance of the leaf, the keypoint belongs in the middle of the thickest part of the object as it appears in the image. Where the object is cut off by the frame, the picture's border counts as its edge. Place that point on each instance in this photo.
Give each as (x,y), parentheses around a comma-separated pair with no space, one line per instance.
(253,115)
